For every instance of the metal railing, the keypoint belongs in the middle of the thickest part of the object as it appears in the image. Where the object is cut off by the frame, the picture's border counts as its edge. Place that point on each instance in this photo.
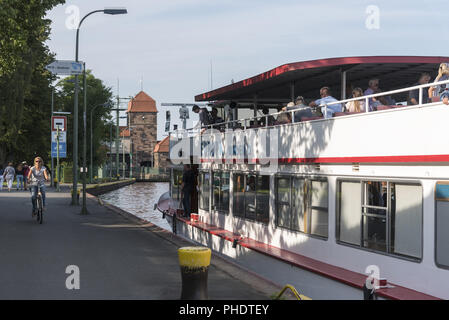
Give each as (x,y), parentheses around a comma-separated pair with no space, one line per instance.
(294,291)
(243,123)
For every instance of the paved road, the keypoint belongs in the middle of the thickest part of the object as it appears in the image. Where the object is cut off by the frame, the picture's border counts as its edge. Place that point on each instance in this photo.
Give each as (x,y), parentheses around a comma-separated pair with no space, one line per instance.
(117,258)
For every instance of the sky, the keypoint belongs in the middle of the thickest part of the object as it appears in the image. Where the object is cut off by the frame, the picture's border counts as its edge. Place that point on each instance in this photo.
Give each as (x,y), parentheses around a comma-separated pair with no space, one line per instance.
(176,49)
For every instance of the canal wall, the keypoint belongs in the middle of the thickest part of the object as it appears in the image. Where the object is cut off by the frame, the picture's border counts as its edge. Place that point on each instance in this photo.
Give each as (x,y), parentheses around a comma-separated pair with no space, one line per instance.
(98,189)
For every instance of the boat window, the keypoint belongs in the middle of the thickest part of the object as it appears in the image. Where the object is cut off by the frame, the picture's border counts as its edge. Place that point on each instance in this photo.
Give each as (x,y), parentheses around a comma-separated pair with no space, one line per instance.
(374,215)
(176,181)
(406,220)
(298,205)
(381,216)
(283,190)
(204,190)
(318,208)
(442,224)
(263,199)
(220,199)
(302,205)
(349,209)
(238,195)
(251,197)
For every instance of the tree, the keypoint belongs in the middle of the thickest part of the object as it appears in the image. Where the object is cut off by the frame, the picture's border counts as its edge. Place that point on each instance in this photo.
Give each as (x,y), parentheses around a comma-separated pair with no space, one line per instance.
(98,97)
(25,85)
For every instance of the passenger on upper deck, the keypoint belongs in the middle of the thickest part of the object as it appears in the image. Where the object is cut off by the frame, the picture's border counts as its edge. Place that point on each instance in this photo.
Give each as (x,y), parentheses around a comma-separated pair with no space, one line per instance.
(382,100)
(285,117)
(443,74)
(373,86)
(413,96)
(303,110)
(358,105)
(205,118)
(215,117)
(326,98)
(263,120)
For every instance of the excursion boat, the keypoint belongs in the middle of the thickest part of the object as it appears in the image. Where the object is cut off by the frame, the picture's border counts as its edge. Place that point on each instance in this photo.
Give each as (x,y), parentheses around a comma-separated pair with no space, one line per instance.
(326,204)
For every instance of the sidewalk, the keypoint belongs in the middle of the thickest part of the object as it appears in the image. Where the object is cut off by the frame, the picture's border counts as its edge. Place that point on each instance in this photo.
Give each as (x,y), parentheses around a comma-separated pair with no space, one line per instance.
(117,257)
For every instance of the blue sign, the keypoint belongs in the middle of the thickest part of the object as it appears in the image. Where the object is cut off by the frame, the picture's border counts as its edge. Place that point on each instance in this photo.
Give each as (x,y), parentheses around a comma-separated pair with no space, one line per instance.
(62,150)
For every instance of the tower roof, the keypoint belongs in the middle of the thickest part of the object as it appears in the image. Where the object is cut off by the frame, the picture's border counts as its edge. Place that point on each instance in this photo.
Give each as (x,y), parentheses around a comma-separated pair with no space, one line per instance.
(142,102)
(162,146)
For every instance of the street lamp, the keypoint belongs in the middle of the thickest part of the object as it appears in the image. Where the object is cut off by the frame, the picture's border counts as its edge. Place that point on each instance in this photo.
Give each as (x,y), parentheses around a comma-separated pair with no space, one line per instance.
(107,104)
(75,114)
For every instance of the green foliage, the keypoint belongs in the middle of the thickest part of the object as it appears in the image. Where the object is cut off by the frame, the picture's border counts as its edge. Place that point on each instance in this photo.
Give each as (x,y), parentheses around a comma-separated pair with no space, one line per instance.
(98,96)
(24,83)
(26,88)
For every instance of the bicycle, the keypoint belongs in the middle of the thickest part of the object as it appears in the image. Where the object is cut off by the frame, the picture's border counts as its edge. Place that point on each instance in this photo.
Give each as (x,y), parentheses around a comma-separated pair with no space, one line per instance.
(39,206)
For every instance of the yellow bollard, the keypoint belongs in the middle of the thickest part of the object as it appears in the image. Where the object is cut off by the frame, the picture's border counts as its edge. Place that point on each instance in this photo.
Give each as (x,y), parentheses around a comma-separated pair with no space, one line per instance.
(194,263)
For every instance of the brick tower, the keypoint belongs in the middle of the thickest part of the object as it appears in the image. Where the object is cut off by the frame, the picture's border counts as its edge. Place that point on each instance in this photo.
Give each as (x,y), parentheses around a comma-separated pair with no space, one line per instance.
(142,115)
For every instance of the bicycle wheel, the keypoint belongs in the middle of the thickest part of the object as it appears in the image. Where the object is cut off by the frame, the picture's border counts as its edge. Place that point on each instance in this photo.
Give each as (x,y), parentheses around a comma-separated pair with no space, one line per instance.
(39,209)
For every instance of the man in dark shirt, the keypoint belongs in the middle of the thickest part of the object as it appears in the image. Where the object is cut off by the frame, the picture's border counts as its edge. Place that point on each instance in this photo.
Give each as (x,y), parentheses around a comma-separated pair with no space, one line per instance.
(413,96)
(205,118)
(187,186)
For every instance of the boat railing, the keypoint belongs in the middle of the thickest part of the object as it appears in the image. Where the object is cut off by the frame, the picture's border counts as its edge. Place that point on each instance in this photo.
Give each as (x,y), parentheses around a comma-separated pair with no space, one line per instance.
(269,119)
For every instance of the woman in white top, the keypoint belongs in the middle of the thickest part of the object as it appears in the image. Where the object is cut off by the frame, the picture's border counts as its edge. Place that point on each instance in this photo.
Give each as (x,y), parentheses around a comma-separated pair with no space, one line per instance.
(37,177)
(358,105)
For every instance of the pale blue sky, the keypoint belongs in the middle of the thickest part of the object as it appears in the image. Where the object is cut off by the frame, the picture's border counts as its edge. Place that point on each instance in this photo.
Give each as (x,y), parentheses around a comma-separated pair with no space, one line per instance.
(171,43)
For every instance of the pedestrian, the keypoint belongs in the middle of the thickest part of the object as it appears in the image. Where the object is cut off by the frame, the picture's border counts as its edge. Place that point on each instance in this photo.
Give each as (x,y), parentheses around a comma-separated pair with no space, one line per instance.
(26,170)
(1,177)
(19,177)
(187,186)
(9,175)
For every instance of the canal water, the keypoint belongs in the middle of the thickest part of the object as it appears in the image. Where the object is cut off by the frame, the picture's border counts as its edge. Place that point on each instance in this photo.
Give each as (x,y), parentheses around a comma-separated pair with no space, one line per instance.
(139,199)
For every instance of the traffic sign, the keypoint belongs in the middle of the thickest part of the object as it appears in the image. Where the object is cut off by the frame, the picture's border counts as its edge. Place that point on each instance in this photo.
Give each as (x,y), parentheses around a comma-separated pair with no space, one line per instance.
(67,67)
(62,150)
(62,136)
(58,121)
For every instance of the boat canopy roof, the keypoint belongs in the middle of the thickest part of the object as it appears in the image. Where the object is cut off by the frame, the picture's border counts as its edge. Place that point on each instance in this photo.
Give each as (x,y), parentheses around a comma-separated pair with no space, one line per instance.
(305,78)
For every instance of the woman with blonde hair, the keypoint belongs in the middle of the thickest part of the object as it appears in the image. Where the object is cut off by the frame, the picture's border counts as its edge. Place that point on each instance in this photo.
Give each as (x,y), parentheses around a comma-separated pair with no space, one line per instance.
(357,105)
(443,74)
(37,177)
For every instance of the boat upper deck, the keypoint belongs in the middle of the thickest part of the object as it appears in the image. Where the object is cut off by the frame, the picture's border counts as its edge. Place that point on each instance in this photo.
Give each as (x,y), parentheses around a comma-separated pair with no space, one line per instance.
(305,78)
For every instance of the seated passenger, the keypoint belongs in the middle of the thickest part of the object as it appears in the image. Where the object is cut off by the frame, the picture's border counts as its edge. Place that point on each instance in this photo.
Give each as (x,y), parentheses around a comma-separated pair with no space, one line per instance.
(413,96)
(285,117)
(215,117)
(263,120)
(326,98)
(443,74)
(373,87)
(358,105)
(303,110)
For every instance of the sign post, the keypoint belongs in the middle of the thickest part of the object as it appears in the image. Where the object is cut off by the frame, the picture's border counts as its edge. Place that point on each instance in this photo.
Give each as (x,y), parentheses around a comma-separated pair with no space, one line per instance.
(57,161)
(58,142)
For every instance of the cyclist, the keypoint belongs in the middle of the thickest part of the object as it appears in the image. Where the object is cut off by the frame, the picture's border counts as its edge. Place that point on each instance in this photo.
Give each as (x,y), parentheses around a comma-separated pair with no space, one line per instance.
(37,177)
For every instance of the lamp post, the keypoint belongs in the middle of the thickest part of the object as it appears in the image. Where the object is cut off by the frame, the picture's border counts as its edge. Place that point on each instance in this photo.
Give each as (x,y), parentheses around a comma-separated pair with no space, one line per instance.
(75,108)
